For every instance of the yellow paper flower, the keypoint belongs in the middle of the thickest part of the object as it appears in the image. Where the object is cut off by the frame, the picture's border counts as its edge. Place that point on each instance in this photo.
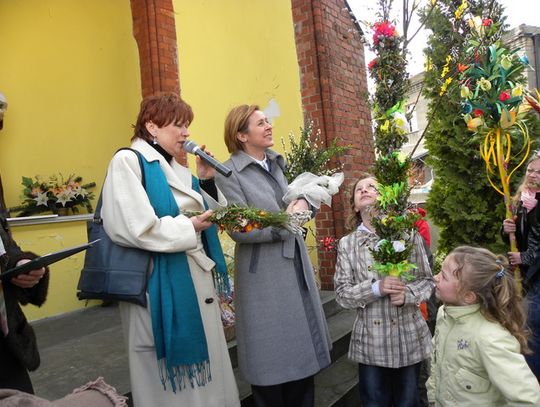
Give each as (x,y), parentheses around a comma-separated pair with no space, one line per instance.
(485,85)
(508,120)
(443,89)
(445,71)
(445,85)
(476,23)
(506,61)
(465,92)
(474,123)
(517,91)
(428,64)
(461,9)
(400,122)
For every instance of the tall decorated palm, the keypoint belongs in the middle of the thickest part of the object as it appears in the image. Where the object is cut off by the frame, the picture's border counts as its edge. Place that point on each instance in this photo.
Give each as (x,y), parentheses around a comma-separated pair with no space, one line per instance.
(494,107)
(394,218)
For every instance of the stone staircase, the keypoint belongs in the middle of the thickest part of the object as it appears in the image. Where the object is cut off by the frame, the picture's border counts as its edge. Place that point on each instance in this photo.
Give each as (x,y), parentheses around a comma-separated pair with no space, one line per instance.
(80,346)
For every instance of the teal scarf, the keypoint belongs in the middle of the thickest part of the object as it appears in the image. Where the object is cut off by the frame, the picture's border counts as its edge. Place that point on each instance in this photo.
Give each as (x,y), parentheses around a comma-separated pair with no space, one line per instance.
(179,337)
(213,249)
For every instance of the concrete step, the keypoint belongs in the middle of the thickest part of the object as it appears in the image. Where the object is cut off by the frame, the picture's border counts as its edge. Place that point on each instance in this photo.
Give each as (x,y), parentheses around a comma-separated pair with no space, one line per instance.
(337,385)
(330,306)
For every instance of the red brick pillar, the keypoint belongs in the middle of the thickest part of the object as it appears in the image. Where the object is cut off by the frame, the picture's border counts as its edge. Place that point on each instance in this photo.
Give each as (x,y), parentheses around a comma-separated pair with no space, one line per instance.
(154,29)
(333,80)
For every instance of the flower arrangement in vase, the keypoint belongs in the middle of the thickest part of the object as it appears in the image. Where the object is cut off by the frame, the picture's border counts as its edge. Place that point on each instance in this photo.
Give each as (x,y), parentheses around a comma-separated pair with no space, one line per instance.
(56,193)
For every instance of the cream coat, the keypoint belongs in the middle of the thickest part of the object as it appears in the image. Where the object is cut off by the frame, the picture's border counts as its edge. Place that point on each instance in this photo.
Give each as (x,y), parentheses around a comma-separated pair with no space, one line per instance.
(129,219)
(477,363)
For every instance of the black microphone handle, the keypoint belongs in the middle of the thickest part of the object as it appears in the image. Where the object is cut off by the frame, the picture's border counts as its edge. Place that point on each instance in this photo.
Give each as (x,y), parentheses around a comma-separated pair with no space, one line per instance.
(212,162)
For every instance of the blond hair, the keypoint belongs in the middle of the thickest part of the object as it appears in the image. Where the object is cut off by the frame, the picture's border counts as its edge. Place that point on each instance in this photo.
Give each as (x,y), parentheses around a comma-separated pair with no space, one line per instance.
(487,276)
(523,185)
(237,121)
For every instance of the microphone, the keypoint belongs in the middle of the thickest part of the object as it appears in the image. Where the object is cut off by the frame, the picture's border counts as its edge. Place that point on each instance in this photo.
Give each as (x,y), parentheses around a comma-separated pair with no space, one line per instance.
(192,148)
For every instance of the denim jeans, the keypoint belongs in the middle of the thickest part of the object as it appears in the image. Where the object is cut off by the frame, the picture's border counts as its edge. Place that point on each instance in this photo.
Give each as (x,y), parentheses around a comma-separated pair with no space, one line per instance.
(387,387)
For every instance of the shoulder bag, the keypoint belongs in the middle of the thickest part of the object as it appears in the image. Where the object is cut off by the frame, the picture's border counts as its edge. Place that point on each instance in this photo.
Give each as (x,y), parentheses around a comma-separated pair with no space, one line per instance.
(111,271)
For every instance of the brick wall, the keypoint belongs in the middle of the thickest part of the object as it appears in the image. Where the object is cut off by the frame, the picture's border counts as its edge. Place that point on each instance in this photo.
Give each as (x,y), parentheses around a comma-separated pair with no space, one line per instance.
(155,33)
(154,29)
(334,95)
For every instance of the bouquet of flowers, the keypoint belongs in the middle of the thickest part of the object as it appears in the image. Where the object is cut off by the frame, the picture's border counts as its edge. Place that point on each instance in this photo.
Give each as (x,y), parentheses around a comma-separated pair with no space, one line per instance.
(56,192)
(243,219)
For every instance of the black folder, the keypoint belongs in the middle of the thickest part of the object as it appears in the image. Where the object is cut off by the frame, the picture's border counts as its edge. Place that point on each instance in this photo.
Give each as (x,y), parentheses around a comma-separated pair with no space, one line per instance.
(44,260)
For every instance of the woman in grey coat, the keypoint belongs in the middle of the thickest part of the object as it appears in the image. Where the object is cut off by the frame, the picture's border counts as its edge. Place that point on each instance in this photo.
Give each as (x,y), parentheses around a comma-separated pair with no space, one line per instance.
(281,331)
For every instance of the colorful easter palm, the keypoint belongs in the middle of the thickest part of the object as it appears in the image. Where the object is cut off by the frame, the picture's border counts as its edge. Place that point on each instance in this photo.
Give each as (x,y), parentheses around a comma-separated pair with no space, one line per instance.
(493,108)
(395,218)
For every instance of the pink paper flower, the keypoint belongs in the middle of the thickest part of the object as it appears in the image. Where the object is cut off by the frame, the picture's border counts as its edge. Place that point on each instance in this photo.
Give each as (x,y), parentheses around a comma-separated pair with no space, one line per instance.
(383,29)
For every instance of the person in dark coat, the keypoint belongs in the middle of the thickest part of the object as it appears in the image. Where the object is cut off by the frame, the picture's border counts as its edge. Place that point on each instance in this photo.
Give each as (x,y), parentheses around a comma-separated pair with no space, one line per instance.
(526,226)
(18,347)
(281,330)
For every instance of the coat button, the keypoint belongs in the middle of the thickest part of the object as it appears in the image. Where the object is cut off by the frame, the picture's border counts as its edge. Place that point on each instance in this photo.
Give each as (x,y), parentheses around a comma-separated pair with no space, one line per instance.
(468,387)
(209,300)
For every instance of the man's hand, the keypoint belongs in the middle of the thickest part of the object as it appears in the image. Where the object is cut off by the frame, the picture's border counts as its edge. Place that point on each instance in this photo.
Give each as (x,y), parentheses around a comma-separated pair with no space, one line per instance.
(30,279)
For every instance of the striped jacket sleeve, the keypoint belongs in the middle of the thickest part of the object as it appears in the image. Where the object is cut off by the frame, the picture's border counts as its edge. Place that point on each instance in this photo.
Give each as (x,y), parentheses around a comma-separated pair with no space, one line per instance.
(351,290)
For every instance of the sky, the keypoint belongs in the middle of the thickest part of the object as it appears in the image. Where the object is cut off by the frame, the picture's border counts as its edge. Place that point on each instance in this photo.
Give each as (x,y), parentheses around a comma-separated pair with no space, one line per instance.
(517,11)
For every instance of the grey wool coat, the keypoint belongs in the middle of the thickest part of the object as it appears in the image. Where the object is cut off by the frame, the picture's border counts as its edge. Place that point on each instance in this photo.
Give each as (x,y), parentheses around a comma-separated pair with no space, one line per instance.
(280,325)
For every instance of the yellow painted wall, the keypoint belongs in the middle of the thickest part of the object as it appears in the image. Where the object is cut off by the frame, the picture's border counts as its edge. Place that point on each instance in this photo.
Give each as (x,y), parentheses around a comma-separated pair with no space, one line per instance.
(235,52)
(70,72)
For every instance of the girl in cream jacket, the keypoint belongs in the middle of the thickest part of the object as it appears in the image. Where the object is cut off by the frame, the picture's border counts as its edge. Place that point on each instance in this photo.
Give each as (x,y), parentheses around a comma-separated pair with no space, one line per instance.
(478,343)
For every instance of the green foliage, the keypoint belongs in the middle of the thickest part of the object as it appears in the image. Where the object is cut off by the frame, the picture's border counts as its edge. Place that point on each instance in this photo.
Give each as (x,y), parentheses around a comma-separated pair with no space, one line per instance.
(392,198)
(391,167)
(309,154)
(398,270)
(392,224)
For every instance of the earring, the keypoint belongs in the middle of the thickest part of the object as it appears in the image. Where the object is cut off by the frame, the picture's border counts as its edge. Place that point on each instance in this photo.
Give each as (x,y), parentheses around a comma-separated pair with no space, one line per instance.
(154,142)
